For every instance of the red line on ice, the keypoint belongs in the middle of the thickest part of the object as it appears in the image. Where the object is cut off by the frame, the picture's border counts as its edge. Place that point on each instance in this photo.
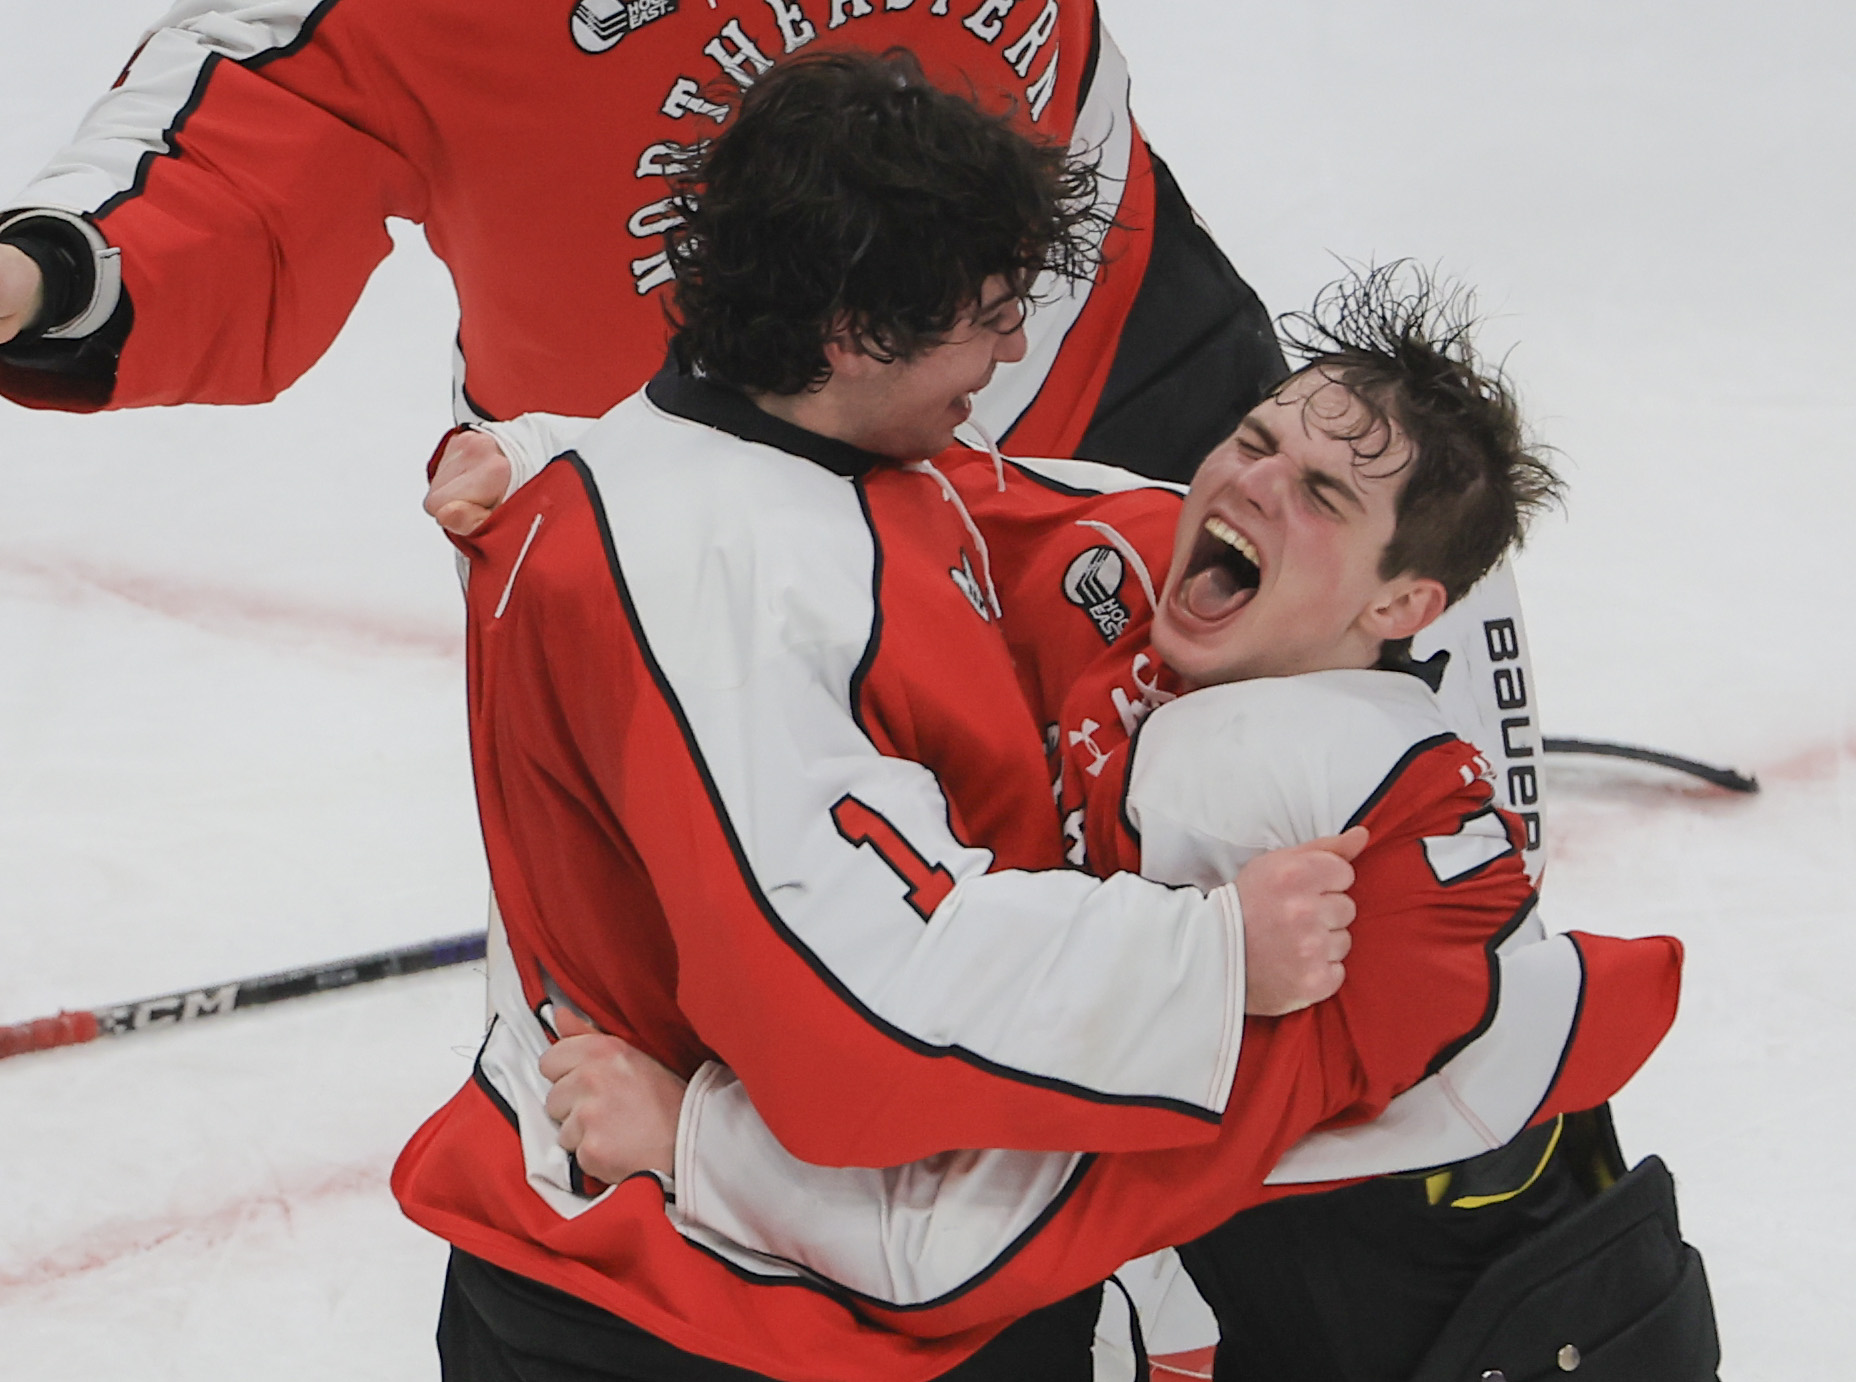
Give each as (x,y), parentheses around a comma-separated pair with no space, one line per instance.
(227,609)
(111,1243)
(1819,761)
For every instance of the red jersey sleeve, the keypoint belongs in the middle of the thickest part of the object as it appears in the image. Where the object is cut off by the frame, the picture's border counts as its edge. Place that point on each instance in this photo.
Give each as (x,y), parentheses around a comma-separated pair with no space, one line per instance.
(246,161)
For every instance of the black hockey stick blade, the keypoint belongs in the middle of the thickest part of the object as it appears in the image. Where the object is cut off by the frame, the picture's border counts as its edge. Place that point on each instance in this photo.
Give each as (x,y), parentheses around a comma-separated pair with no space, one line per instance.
(190,1005)
(1707,772)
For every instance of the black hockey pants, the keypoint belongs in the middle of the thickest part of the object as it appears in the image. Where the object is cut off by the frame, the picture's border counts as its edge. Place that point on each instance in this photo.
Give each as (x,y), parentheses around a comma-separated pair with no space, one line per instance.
(1581,1272)
(496,1326)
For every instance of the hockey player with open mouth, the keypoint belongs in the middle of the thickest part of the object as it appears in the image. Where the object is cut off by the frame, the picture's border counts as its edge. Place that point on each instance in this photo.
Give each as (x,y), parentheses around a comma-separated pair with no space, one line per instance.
(764,794)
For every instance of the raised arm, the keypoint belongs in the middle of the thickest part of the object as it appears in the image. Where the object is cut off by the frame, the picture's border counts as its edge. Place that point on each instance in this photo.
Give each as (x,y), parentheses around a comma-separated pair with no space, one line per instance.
(207,231)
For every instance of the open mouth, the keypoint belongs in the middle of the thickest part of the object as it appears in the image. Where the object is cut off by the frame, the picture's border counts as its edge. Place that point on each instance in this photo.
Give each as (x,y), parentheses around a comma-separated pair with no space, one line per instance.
(1222,572)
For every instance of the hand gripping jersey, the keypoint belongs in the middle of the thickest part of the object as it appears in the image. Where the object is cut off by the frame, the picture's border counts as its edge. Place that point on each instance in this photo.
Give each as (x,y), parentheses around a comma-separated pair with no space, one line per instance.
(760,783)
(1460,1023)
(237,179)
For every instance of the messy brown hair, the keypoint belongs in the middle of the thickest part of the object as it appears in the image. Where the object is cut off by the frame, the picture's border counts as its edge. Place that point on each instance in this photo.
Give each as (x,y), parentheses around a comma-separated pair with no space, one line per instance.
(1401,344)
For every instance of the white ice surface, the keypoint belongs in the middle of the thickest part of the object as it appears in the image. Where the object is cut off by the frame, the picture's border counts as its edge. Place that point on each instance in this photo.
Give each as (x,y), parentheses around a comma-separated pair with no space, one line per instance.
(231,730)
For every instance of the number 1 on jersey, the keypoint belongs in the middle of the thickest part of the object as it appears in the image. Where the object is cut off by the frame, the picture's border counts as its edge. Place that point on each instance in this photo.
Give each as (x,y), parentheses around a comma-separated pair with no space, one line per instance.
(929,884)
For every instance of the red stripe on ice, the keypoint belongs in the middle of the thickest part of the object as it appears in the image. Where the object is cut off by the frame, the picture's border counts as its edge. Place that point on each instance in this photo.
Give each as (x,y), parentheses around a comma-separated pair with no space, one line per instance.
(110,1243)
(223,609)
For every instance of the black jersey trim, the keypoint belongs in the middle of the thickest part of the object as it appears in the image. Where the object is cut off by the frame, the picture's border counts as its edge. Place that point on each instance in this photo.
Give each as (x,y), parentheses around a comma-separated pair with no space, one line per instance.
(169,136)
(1572,1033)
(1490,949)
(1087,83)
(908,1040)
(1406,759)
(1057,486)
(868,660)
(1395,656)
(483,414)
(1127,778)
(311,22)
(482,1080)
(865,664)
(697,398)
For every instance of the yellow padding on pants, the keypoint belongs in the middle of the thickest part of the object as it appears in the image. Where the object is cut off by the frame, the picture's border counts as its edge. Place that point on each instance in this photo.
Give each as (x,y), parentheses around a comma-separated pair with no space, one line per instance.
(1437,1184)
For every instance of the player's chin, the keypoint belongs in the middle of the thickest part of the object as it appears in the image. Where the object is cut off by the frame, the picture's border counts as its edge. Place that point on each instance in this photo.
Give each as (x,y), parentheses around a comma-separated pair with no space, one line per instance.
(1199,656)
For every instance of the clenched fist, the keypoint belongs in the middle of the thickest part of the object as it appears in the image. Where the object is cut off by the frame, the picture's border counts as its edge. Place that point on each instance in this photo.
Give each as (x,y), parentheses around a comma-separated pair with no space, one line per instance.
(469,481)
(22,291)
(1296,915)
(617,1107)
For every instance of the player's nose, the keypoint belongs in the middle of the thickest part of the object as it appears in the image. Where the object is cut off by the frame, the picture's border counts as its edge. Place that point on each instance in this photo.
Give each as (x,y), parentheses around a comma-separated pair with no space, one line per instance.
(1261,480)
(1009,346)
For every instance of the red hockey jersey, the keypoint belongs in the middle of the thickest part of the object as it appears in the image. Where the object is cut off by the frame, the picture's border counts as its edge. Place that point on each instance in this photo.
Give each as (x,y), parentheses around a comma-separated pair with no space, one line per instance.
(249,156)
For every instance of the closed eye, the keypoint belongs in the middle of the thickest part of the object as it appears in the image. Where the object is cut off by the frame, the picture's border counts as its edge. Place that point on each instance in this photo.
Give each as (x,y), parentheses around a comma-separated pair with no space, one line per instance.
(1007,319)
(1323,489)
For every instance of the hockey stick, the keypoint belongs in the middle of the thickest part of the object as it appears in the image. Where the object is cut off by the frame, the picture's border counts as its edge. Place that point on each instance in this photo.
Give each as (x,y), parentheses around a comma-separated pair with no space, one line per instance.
(1720,777)
(74,1028)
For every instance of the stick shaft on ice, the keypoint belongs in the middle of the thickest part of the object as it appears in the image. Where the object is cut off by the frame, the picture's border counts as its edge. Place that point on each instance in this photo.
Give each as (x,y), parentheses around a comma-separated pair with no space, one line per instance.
(190,1005)
(1707,772)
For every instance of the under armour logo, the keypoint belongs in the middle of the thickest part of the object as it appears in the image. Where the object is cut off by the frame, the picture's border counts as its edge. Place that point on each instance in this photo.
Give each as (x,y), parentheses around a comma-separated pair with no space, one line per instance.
(1086,736)
(963,577)
(1131,711)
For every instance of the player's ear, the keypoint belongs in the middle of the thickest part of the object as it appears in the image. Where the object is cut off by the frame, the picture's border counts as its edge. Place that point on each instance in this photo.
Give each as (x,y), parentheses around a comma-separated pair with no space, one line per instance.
(1403,606)
(846,353)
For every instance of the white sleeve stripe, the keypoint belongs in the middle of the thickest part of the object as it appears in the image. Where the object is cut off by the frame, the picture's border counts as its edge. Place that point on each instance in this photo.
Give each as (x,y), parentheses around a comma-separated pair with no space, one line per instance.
(138,120)
(1497,946)
(1481,838)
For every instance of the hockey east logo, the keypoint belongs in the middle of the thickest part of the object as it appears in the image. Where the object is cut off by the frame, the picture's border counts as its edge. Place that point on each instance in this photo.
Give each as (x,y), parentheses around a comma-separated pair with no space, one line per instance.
(1093,582)
(598,25)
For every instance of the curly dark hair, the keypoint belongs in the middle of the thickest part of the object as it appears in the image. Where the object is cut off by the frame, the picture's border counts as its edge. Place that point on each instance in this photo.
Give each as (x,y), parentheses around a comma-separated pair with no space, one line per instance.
(1400,343)
(848,194)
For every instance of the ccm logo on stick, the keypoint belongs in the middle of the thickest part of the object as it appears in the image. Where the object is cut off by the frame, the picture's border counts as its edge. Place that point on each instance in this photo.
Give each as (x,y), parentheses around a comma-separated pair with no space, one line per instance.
(178,1007)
